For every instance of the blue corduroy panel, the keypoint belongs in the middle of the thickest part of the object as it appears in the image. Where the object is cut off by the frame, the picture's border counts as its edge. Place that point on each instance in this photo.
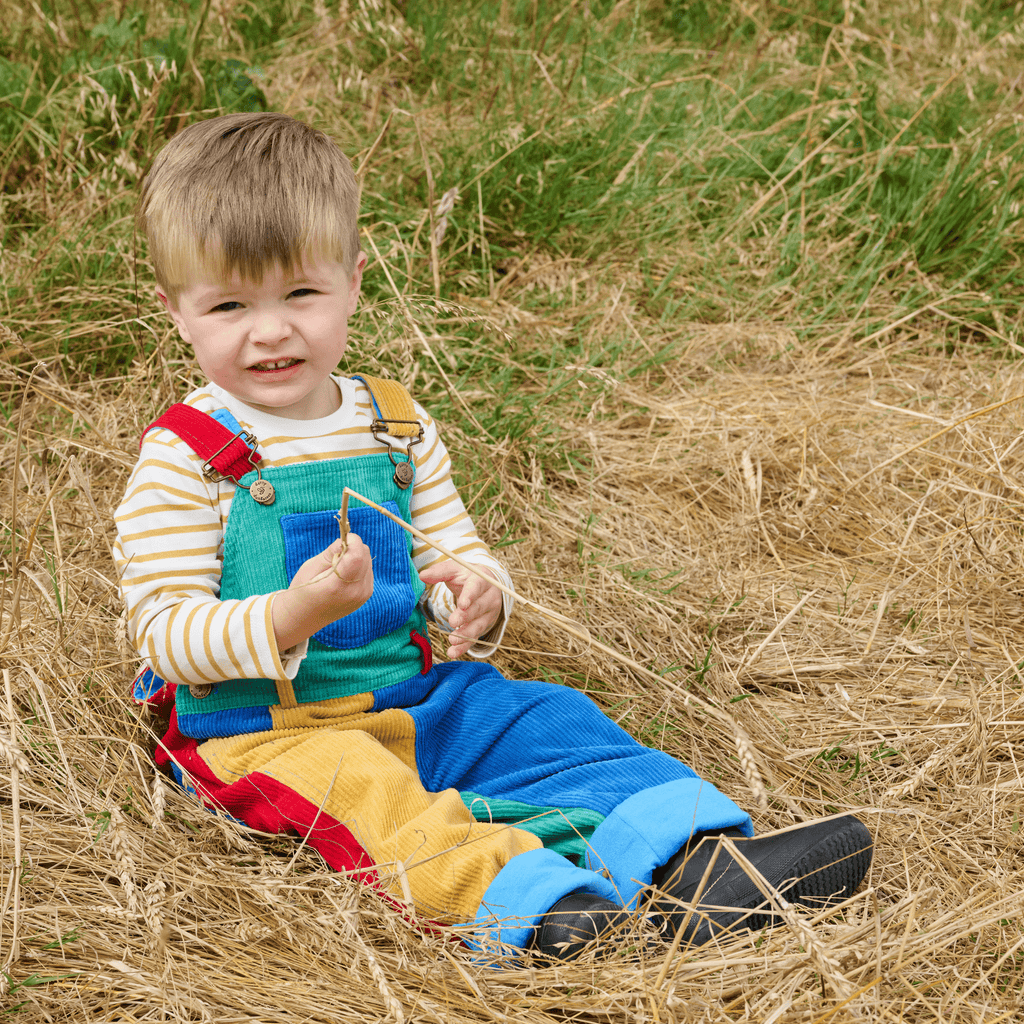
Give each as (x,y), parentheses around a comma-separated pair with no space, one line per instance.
(538,743)
(647,829)
(410,692)
(180,779)
(226,419)
(525,889)
(147,684)
(308,533)
(225,722)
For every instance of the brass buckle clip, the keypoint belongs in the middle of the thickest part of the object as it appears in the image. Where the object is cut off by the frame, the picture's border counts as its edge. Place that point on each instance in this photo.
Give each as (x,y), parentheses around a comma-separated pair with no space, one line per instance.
(212,473)
(261,490)
(403,470)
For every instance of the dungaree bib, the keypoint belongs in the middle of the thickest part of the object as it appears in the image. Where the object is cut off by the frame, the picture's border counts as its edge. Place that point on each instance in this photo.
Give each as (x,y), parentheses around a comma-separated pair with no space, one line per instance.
(380,644)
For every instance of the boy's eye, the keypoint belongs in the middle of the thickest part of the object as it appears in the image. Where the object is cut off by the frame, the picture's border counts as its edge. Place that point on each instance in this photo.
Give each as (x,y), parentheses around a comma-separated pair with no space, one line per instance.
(299,293)
(226,307)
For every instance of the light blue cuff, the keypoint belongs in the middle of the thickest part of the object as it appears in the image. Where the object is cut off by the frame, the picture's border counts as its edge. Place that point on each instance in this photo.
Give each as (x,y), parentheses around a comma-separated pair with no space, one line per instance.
(525,889)
(650,827)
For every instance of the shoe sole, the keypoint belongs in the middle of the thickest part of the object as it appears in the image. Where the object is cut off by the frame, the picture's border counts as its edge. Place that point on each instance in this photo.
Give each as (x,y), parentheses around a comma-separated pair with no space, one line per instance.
(848,857)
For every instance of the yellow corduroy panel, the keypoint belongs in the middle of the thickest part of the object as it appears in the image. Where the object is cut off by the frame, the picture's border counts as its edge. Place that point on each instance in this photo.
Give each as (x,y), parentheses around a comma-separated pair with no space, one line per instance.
(392,727)
(321,712)
(232,757)
(427,843)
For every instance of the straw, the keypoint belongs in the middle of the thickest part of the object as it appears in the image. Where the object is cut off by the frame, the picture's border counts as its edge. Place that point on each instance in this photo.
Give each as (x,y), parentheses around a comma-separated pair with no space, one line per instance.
(849,674)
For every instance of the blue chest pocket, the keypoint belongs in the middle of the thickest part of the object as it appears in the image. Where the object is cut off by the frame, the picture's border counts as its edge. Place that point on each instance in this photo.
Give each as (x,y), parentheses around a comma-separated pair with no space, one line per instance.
(394,597)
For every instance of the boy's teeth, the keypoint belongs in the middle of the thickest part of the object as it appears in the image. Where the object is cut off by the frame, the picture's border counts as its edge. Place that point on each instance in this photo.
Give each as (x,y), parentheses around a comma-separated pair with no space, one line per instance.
(276,364)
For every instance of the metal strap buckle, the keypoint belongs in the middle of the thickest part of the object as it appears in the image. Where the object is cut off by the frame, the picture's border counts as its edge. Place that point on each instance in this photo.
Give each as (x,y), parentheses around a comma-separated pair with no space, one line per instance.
(403,470)
(212,473)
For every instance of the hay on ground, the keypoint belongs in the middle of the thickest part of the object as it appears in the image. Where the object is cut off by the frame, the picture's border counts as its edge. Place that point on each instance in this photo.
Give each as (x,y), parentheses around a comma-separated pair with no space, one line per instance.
(824,543)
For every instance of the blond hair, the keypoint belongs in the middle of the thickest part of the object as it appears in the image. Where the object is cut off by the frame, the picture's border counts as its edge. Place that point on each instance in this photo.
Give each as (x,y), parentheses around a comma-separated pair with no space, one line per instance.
(242,192)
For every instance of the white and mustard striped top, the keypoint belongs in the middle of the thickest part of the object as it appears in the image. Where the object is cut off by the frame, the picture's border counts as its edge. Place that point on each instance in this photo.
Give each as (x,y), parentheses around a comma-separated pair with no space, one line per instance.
(170,531)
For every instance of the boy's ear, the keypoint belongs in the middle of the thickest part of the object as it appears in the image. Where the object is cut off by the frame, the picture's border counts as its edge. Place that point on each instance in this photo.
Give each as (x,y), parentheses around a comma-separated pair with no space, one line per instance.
(356,283)
(175,316)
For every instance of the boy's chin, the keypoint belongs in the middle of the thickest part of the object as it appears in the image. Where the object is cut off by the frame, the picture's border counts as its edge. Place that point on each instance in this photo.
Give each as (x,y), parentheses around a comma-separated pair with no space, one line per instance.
(316,405)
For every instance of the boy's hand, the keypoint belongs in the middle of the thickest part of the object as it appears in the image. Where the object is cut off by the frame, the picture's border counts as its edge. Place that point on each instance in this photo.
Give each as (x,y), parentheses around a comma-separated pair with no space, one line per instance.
(310,603)
(477,603)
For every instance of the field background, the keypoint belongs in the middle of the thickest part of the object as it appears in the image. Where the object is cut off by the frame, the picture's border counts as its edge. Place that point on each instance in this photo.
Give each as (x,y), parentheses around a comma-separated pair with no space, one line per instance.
(724,329)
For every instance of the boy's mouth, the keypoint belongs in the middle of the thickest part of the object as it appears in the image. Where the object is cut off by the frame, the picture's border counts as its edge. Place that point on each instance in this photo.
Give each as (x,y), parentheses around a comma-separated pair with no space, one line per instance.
(275,364)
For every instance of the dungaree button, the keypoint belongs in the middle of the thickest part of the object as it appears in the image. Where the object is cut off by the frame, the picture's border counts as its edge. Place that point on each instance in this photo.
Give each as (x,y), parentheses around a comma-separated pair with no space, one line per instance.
(403,474)
(262,491)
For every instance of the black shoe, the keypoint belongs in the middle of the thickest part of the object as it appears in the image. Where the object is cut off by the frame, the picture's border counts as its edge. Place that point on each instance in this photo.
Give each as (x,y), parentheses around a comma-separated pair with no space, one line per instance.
(574,922)
(816,865)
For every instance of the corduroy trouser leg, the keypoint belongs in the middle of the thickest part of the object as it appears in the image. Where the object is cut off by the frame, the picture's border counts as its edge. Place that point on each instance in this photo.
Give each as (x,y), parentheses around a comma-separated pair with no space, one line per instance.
(481,798)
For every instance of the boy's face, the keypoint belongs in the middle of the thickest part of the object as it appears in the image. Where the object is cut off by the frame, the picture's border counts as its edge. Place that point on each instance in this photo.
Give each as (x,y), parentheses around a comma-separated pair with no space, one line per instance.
(273,345)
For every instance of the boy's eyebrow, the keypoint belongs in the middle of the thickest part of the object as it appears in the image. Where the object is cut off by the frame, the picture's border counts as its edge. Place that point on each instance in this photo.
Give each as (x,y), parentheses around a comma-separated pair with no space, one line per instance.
(224,289)
(219,292)
(216,288)
(320,275)
(211,298)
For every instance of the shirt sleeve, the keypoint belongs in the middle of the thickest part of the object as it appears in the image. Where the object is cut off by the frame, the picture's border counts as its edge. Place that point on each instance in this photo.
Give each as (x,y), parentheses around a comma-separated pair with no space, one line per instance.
(438,512)
(168,553)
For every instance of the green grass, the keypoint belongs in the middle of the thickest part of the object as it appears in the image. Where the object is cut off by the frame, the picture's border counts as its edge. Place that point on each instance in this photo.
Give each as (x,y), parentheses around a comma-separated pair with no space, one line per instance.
(729,165)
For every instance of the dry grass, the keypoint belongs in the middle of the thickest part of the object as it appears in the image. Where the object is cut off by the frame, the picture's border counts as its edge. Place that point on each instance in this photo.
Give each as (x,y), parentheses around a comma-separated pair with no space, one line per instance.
(873,489)
(812,541)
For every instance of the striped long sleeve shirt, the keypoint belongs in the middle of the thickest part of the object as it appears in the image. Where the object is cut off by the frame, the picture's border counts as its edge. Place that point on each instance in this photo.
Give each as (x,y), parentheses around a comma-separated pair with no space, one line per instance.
(170,532)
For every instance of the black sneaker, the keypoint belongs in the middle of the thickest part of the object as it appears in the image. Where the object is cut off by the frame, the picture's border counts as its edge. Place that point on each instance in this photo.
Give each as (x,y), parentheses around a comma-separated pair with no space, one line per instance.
(817,865)
(574,922)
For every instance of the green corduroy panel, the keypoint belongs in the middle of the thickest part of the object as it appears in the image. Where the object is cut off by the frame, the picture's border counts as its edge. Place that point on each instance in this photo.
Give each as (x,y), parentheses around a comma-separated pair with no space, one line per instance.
(566,830)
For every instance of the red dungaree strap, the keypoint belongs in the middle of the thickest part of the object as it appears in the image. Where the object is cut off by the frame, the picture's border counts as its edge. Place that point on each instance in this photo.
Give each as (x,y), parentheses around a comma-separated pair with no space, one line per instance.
(224,450)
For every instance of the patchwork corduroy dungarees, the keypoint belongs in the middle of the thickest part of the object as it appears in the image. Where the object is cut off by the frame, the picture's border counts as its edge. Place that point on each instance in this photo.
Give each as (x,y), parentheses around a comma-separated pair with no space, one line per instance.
(480,798)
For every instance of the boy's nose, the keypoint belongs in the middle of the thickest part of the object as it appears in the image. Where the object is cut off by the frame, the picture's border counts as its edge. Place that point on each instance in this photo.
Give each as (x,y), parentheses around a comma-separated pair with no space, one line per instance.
(268,328)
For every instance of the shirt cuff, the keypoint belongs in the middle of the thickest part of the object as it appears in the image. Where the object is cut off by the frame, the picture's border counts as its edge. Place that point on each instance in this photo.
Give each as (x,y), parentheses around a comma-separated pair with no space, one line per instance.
(441,603)
(292,658)
(287,662)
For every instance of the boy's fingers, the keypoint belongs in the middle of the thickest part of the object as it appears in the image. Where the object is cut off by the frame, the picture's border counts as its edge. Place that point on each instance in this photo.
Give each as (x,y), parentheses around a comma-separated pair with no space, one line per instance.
(468,594)
(475,612)
(451,572)
(472,629)
(441,572)
(456,648)
(473,591)
(340,545)
(349,552)
(461,641)
(349,559)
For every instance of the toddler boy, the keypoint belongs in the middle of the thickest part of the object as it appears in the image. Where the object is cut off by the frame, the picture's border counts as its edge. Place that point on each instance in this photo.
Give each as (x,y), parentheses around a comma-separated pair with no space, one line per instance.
(304,697)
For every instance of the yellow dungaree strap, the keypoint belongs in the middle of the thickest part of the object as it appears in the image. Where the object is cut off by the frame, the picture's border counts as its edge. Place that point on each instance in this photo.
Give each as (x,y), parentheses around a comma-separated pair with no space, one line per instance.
(394,404)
